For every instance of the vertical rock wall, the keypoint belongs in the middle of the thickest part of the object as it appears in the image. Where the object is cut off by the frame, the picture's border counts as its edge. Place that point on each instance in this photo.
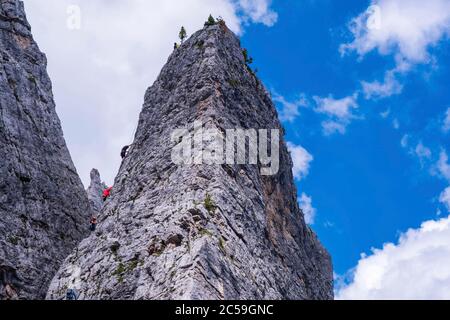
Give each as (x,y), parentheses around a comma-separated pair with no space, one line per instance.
(44,210)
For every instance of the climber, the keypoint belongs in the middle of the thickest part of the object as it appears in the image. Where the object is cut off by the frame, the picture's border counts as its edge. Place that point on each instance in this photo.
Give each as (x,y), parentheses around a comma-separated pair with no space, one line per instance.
(175,46)
(124,151)
(106,193)
(71,295)
(93,224)
(11,292)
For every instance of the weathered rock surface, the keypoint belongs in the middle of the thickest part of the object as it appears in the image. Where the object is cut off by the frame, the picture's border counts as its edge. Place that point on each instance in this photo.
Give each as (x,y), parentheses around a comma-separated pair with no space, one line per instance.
(95,192)
(43,206)
(200,231)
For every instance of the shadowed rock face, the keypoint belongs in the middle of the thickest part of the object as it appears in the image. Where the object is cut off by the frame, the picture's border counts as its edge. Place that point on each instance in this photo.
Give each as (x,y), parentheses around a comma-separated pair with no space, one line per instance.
(200,231)
(43,207)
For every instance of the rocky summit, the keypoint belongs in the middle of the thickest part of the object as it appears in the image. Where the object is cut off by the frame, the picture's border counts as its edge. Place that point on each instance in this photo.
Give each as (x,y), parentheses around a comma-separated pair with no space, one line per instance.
(200,231)
(95,192)
(44,210)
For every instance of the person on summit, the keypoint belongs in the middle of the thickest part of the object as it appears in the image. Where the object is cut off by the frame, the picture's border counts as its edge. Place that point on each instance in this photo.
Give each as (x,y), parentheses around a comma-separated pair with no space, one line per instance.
(124,152)
(106,193)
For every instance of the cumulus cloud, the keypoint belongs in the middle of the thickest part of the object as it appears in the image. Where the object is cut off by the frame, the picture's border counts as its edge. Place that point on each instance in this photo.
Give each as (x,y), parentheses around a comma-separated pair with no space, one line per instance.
(406,28)
(339,112)
(414,268)
(309,211)
(100,71)
(289,110)
(258,11)
(301,159)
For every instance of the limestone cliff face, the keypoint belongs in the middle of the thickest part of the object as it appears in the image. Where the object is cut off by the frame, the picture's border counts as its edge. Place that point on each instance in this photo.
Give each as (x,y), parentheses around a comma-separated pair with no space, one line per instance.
(200,231)
(95,192)
(43,207)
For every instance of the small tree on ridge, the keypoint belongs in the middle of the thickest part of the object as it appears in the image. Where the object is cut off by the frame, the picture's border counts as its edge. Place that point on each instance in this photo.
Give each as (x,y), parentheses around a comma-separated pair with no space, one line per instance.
(182,35)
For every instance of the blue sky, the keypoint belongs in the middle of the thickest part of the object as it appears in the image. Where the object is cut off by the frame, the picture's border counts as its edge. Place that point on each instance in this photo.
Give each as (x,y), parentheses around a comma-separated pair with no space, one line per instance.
(365,186)
(361,87)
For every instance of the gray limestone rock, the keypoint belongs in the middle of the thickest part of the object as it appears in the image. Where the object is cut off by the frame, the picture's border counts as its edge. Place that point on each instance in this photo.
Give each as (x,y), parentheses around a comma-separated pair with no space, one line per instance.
(200,231)
(95,192)
(43,206)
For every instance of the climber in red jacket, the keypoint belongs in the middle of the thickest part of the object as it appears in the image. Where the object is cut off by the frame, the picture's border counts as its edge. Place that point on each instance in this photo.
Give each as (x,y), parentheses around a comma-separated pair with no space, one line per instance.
(106,193)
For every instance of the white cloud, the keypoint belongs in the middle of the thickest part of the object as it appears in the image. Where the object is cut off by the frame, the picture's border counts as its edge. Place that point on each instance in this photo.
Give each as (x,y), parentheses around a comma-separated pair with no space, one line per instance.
(446,125)
(414,268)
(101,71)
(290,110)
(422,152)
(443,166)
(339,108)
(301,159)
(331,127)
(406,28)
(328,224)
(309,211)
(339,111)
(258,11)
(445,198)
(390,86)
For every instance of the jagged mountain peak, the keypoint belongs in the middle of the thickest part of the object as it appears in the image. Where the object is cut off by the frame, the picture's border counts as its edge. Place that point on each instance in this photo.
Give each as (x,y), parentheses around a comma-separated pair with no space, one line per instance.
(200,231)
